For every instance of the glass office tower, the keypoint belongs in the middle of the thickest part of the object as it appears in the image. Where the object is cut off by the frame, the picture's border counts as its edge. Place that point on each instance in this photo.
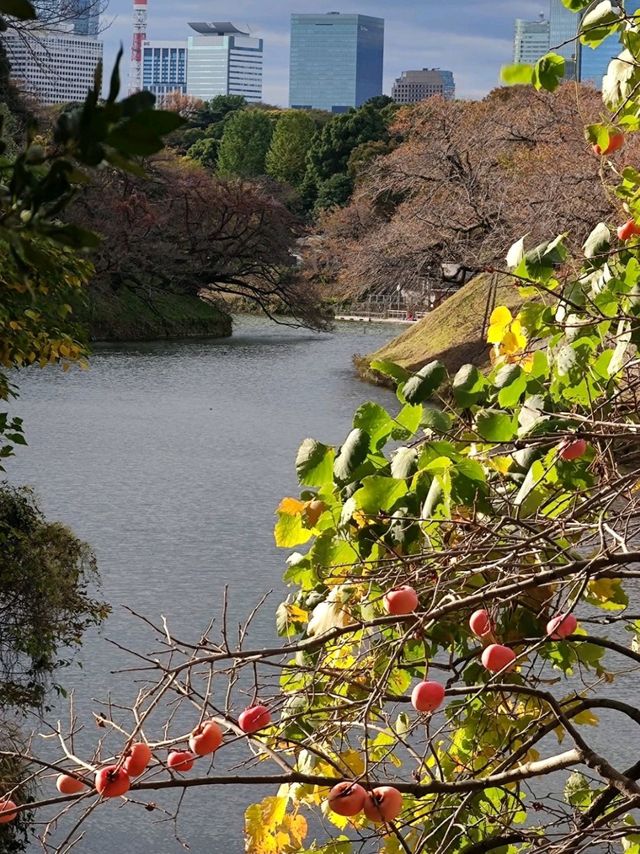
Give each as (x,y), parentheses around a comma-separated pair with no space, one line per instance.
(563,29)
(336,61)
(594,63)
(164,67)
(531,40)
(224,60)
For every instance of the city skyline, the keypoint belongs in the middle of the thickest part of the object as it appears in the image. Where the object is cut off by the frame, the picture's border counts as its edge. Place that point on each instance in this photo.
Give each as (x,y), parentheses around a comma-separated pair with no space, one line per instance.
(473,40)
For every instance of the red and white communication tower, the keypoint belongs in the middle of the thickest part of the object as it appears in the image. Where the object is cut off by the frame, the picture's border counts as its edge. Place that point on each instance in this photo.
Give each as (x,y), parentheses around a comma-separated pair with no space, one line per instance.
(139,37)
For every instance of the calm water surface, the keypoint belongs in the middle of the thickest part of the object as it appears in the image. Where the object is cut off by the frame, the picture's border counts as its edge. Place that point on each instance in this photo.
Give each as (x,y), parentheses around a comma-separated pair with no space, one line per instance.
(170,458)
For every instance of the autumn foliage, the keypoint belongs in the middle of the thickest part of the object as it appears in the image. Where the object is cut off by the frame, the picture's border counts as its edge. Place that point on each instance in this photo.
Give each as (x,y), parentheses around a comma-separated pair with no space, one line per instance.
(467,180)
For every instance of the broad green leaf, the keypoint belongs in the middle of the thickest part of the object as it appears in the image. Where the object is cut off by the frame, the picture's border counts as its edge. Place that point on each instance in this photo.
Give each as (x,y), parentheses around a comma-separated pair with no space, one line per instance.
(495,425)
(599,23)
(421,386)
(376,421)
(351,455)
(598,242)
(314,463)
(390,369)
(468,386)
(516,74)
(548,72)
(607,593)
(409,418)
(379,493)
(435,419)
(577,792)
(404,463)
(290,531)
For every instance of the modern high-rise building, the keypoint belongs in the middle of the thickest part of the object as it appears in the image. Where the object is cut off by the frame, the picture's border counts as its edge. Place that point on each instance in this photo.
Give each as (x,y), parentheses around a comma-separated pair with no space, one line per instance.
(85,16)
(563,30)
(414,86)
(531,40)
(81,17)
(593,63)
(336,61)
(223,60)
(164,66)
(56,68)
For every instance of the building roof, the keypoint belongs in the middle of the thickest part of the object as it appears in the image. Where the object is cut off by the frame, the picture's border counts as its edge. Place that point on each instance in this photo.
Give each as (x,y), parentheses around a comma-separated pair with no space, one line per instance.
(217,28)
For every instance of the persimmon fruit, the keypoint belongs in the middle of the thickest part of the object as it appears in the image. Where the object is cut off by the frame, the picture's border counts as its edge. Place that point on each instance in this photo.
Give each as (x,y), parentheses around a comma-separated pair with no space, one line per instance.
(401,601)
(347,799)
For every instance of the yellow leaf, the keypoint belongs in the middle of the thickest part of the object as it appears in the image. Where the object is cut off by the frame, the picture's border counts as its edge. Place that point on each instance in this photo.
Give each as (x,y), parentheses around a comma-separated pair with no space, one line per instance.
(586,718)
(495,334)
(501,464)
(354,762)
(608,594)
(291,507)
(518,334)
(500,316)
(296,614)
(270,830)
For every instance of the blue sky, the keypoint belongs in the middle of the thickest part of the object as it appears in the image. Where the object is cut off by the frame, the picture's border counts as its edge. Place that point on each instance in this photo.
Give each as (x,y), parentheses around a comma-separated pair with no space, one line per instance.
(472,38)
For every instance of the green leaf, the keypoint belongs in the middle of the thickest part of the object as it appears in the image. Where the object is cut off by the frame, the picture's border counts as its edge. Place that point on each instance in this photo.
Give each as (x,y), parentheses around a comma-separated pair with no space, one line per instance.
(468,386)
(495,425)
(548,72)
(390,369)
(577,792)
(435,419)
(74,236)
(404,463)
(421,386)
(599,23)
(511,394)
(598,242)
(351,455)
(142,133)
(376,421)
(379,493)
(314,463)
(517,74)
(409,418)
(21,9)
(114,84)
(507,375)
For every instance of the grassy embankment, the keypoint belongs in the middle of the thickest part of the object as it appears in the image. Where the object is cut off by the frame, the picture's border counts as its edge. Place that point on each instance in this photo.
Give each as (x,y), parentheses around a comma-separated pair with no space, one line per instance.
(124,316)
(452,333)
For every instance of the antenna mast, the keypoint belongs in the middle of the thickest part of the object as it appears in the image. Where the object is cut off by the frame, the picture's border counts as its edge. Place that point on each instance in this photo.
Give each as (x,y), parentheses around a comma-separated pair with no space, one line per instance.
(139,36)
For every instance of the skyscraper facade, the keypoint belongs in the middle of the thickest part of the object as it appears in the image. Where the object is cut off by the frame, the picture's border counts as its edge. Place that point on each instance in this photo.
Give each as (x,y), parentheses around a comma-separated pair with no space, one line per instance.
(531,40)
(81,17)
(563,29)
(594,62)
(85,16)
(414,86)
(56,68)
(336,61)
(223,60)
(164,66)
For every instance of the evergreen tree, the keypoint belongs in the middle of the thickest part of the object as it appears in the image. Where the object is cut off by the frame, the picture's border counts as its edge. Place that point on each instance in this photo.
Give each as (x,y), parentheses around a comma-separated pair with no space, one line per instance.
(287,157)
(245,143)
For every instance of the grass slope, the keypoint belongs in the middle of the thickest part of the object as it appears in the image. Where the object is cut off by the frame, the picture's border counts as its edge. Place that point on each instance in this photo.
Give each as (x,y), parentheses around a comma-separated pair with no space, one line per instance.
(123,316)
(453,332)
